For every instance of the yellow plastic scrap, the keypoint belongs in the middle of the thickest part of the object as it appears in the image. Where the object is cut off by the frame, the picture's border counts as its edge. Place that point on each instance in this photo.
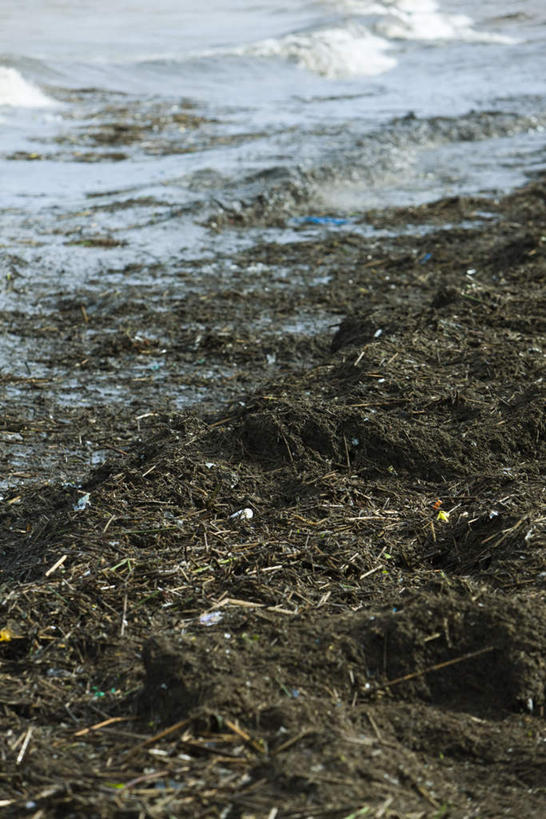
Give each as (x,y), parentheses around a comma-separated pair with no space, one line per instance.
(6,635)
(443,516)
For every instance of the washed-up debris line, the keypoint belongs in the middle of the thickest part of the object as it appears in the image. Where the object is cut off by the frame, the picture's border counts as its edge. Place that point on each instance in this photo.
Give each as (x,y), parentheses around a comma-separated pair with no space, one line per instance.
(325,597)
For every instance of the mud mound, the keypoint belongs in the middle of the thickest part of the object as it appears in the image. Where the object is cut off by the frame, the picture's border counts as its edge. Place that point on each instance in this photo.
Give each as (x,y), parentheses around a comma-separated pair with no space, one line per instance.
(483,657)
(499,650)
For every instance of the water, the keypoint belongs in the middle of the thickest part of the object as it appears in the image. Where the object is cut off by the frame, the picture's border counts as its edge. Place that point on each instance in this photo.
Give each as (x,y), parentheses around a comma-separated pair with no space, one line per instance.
(128,129)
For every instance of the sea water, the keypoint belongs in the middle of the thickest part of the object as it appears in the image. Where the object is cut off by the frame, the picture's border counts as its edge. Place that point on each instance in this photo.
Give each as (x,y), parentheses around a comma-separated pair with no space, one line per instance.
(140,121)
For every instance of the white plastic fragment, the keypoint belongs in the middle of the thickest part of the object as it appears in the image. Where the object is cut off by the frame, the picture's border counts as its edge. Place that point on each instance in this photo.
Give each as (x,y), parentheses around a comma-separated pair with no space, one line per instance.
(242,514)
(378,333)
(83,503)
(210,618)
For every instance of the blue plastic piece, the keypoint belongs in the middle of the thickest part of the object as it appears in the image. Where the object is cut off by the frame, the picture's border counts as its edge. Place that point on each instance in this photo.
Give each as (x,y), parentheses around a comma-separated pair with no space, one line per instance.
(321,220)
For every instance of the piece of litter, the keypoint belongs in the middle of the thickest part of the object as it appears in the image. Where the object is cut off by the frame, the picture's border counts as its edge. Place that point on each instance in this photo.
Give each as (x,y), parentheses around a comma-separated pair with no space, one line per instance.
(443,516)
(242,514)
(321,220)
(210,618)
(83,503)
(209,464)
(378,333)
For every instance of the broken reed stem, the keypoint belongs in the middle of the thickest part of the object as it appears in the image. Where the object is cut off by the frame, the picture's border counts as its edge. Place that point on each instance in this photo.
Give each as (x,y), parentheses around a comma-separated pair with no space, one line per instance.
(123,616)
(24,746)
(171,730)
(436,667)
(56,565)
(99,725)
(292,741)
(244,736)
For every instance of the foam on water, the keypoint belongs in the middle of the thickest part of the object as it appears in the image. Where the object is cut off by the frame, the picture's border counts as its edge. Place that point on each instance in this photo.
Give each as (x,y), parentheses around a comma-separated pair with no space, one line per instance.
(363,42)
(419,20)
(338,52)
(271,85)
(18,92)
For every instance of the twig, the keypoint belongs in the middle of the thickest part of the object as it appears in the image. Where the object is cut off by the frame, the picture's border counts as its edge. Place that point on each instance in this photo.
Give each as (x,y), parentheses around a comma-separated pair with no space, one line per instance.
(283,436)
(436,667)
(114,449)
(102,724)
(371,571)
(245,736)
(289,742)
(222,421)
(173,728)
(56,565)
(348,459)
(22,753)
(123,616)
(234,601)
(374,725)
(360,356)
(146,778)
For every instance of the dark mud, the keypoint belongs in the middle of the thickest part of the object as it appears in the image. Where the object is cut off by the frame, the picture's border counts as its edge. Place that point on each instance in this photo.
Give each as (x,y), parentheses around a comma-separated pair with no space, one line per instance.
(321,591)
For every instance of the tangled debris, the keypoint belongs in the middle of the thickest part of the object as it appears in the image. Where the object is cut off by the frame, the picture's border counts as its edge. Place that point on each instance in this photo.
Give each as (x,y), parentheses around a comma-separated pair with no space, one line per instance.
(326,599)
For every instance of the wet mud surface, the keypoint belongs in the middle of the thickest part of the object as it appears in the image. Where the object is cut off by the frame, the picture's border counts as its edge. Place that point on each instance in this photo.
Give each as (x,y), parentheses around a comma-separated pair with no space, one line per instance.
(319,590)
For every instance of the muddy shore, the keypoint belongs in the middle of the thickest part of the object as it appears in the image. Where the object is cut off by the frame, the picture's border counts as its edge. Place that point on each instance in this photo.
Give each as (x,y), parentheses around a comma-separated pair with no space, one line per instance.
(319,591)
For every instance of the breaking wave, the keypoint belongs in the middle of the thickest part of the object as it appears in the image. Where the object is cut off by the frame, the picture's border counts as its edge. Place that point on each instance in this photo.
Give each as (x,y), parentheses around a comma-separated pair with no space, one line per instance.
(365,44)
(334,52)
(18,92)
(419,20)
(356,38)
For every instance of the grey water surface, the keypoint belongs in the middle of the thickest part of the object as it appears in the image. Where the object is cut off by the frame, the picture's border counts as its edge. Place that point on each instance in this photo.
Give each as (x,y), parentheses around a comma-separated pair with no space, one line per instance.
(129,129)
